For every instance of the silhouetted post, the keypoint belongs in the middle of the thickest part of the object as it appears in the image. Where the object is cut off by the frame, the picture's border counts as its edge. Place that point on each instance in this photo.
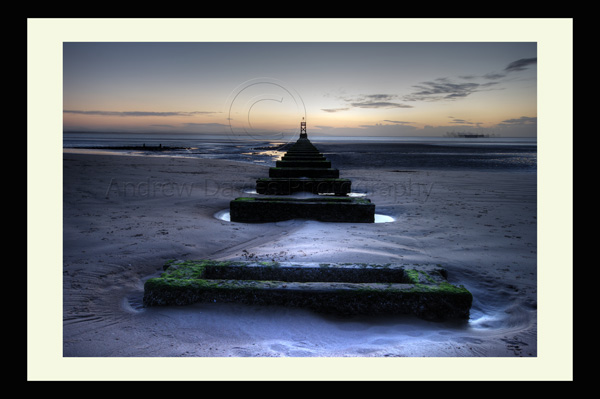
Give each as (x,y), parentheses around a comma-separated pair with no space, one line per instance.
(303,134)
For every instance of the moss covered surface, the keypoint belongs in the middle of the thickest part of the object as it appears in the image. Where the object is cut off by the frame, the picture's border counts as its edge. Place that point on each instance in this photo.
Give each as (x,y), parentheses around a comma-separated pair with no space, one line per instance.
(331,288)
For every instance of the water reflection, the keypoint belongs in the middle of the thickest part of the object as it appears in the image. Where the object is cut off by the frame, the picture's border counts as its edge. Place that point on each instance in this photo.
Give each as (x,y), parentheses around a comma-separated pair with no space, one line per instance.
(225,216)
(383,218)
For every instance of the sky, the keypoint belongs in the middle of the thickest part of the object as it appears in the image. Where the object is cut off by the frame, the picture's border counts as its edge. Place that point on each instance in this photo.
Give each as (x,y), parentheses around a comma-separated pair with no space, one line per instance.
(339,88)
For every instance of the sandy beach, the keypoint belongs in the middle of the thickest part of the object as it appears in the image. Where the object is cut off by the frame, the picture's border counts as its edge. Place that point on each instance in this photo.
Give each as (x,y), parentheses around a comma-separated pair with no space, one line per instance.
(137,145)
(124,216)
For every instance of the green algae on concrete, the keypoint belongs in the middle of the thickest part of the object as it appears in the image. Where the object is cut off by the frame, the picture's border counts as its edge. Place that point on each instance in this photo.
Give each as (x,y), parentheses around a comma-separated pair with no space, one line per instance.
(341,288)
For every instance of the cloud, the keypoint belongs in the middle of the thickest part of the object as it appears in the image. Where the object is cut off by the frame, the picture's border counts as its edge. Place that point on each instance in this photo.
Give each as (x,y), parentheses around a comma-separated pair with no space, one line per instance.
(378,104)
(445,89)
(398,122)
(520,65)
(440,89)
(462,121)
(515,66)
(369,101)
(325,127)
(138,113)
(331,110)
(380,96)
(158,125)
(208,125)
(524,120)
(377,101)
(494,76)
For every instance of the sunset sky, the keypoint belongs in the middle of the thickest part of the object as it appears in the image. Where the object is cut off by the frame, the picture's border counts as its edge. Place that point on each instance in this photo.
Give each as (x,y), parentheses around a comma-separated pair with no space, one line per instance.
(341,88)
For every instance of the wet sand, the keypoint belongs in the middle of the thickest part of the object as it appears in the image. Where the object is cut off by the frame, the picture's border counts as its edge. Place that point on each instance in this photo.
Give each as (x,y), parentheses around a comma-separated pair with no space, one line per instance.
(124,216)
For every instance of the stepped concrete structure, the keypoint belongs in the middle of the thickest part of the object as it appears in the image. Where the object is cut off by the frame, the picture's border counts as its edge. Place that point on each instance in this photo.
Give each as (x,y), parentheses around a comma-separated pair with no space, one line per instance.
(339,288)
(303,169)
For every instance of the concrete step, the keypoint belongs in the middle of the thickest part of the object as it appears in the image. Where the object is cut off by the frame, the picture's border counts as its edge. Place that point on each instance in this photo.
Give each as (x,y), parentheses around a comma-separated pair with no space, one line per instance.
(304,172)
(287,186)
(338,288)
(303,164)
(324,209)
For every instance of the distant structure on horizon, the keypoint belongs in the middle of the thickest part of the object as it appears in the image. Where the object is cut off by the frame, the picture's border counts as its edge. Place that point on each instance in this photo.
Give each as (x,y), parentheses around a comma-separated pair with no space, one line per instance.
(468,135)
(303,134)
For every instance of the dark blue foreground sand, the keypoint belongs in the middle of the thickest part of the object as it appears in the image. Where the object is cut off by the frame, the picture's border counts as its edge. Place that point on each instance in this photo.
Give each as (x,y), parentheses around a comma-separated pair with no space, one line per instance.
(125,216)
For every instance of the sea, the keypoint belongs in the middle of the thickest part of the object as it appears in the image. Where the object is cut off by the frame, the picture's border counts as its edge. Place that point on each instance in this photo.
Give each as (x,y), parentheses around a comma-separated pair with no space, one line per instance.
(452,153)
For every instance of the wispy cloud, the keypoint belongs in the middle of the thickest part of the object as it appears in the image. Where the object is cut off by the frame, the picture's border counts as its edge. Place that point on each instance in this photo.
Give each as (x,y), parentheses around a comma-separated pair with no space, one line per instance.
(520,65)
(368,101)
(378,104)
(376,101)
(398,122)
(159,125)
(331,110)
(494,76)
(524,120)
(138,113)
(462,122)
(440,89)
(206,125)
(444,89)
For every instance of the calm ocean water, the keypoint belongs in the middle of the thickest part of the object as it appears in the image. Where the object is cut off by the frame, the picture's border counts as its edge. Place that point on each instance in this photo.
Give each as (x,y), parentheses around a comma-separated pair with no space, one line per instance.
(487,153)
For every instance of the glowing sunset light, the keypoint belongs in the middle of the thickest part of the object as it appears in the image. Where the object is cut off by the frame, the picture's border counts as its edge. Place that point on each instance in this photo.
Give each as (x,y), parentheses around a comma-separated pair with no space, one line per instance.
(371,88)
